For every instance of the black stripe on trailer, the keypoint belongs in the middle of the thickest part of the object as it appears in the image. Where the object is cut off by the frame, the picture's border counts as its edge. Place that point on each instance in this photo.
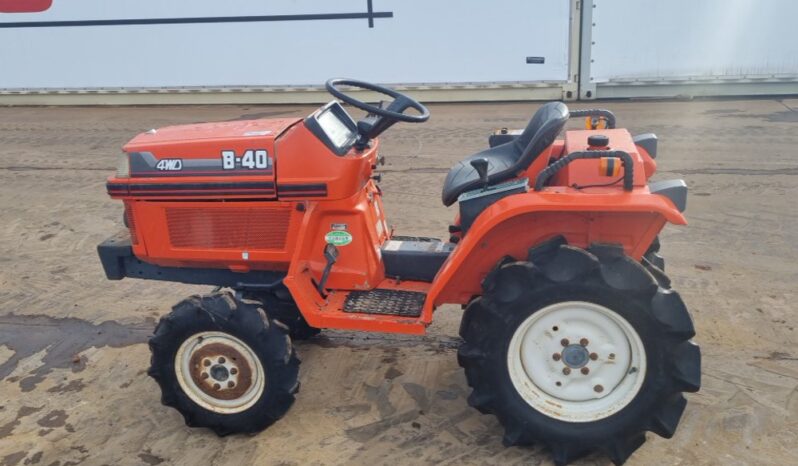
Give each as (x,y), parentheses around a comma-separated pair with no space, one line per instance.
(369,15)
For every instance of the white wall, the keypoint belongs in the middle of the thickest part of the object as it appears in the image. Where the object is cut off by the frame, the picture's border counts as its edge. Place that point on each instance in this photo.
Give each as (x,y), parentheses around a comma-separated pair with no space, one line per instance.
(662,40)
(426,41)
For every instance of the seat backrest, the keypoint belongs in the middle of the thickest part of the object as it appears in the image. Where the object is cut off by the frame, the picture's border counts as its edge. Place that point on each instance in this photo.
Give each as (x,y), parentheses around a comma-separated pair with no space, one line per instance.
(507,161)
(540,133)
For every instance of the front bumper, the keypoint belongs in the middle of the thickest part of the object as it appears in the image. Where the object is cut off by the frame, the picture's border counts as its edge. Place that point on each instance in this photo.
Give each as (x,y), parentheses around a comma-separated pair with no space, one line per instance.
(118,260)
(114,252)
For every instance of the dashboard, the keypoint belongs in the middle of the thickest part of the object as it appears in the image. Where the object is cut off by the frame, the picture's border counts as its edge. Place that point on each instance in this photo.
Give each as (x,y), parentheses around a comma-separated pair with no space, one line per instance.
(334,127)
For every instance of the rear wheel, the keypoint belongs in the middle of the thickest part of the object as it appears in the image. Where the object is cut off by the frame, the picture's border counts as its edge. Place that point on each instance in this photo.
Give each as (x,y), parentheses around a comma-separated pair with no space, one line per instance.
(579,350)
(223,364)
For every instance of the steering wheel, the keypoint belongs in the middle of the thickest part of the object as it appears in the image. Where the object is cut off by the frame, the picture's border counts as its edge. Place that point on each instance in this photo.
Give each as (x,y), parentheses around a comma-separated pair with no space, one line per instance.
(394,111)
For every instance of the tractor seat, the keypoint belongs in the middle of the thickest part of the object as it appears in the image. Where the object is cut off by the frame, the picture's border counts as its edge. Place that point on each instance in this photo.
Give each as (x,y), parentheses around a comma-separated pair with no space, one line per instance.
(510,159)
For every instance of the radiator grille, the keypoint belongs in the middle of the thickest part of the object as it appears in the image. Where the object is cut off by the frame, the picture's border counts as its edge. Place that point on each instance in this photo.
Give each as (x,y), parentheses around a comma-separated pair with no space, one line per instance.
(131,224)
(228,228)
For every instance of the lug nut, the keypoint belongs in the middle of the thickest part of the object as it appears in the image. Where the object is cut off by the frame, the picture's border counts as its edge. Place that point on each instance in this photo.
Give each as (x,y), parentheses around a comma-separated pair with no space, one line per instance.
(612,355)
(556,356)
(583,342)
(598,388)
(206,362)
(593,356)
(216,386)
(204,375)
(585,370)
(564,342)
(566,370)
(222,360)
(234,371)
(231,384)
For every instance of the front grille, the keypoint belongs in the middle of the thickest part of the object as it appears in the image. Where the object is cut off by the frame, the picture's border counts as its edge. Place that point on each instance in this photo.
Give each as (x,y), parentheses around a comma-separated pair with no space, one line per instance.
(247,228)
(131,224)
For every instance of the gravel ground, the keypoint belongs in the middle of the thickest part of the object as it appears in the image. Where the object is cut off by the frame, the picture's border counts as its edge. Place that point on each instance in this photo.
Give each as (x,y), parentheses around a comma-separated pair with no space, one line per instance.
(73,388)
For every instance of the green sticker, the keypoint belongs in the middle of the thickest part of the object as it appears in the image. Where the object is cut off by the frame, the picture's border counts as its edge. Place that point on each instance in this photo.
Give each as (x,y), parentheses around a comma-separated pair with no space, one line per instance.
(338,238)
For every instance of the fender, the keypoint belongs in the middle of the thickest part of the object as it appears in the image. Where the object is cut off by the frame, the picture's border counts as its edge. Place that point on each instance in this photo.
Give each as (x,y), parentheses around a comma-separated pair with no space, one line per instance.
(514,224)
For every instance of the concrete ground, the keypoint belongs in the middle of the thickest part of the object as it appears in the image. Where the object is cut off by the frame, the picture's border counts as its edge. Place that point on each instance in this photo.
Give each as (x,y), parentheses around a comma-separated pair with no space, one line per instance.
(73,388)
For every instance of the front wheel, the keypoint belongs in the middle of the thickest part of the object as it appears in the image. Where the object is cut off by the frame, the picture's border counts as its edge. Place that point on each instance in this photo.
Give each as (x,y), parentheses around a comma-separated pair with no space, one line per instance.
(579,350)
(279,305)
(223,364)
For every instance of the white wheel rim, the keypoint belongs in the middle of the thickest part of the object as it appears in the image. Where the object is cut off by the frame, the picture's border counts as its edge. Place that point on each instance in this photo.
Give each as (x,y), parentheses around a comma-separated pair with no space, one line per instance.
(576,361)
(219,372)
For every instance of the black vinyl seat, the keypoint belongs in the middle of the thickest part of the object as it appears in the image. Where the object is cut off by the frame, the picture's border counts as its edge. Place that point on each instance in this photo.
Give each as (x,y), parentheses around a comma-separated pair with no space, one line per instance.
(508,160)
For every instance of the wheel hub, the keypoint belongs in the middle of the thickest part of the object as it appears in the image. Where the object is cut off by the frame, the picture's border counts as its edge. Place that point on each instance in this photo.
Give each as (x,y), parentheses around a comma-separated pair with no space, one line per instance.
(219,372)
(576,361)
(575,356)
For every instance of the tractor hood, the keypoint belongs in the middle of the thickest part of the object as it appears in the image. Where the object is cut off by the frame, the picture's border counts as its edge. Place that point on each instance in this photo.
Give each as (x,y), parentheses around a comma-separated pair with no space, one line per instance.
(231,148)
(207,160)
(187,135)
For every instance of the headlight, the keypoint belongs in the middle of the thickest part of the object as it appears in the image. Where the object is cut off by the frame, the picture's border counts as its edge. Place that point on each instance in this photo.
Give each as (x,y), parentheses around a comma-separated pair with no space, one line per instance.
(123,166)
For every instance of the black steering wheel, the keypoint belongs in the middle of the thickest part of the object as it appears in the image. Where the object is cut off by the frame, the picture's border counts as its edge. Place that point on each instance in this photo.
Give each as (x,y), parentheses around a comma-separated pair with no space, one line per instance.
(394,111)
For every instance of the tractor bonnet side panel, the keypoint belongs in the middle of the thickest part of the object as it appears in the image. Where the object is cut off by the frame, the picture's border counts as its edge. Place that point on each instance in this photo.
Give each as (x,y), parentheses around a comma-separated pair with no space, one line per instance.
(205,195)
(308,169)
(356,227)
(234,158)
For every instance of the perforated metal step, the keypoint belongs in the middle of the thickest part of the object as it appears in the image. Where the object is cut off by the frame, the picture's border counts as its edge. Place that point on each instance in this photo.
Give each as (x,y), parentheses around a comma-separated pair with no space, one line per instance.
(385,302)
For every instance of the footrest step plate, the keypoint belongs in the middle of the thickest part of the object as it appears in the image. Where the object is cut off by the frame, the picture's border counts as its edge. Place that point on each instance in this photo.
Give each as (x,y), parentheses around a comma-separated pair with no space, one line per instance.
(385,302)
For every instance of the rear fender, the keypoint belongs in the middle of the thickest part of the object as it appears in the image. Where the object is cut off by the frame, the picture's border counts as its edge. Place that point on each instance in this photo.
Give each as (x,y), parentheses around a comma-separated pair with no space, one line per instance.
(514,224)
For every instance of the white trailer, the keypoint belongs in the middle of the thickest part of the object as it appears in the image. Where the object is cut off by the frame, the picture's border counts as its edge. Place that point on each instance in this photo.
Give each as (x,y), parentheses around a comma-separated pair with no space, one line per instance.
(652,48)
(280,50)
(206,51)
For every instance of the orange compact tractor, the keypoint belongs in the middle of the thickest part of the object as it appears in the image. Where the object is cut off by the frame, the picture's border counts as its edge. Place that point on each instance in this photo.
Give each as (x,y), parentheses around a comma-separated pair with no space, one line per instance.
(571,335)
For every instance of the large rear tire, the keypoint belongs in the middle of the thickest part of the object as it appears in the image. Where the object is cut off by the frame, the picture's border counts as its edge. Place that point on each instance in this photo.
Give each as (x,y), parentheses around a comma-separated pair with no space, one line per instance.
(579,350)
(224,364)
(653,256)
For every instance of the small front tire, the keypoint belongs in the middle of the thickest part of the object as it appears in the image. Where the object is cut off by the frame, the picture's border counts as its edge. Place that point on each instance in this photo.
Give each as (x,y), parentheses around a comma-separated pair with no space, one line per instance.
(224,365)
(280,306)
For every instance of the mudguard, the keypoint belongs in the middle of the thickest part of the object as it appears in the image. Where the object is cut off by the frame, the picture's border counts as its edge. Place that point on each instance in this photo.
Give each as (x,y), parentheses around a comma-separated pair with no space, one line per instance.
(514,224)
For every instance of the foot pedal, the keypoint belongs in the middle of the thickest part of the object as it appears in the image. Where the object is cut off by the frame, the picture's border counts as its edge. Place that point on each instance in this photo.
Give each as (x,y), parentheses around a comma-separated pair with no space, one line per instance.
(385,302)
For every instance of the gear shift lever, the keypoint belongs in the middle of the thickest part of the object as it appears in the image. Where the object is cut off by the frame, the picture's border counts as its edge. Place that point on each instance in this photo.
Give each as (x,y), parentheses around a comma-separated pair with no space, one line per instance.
(481,166)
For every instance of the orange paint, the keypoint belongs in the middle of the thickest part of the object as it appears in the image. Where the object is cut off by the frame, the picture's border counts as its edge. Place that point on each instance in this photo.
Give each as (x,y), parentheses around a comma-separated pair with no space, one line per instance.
(278,218)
